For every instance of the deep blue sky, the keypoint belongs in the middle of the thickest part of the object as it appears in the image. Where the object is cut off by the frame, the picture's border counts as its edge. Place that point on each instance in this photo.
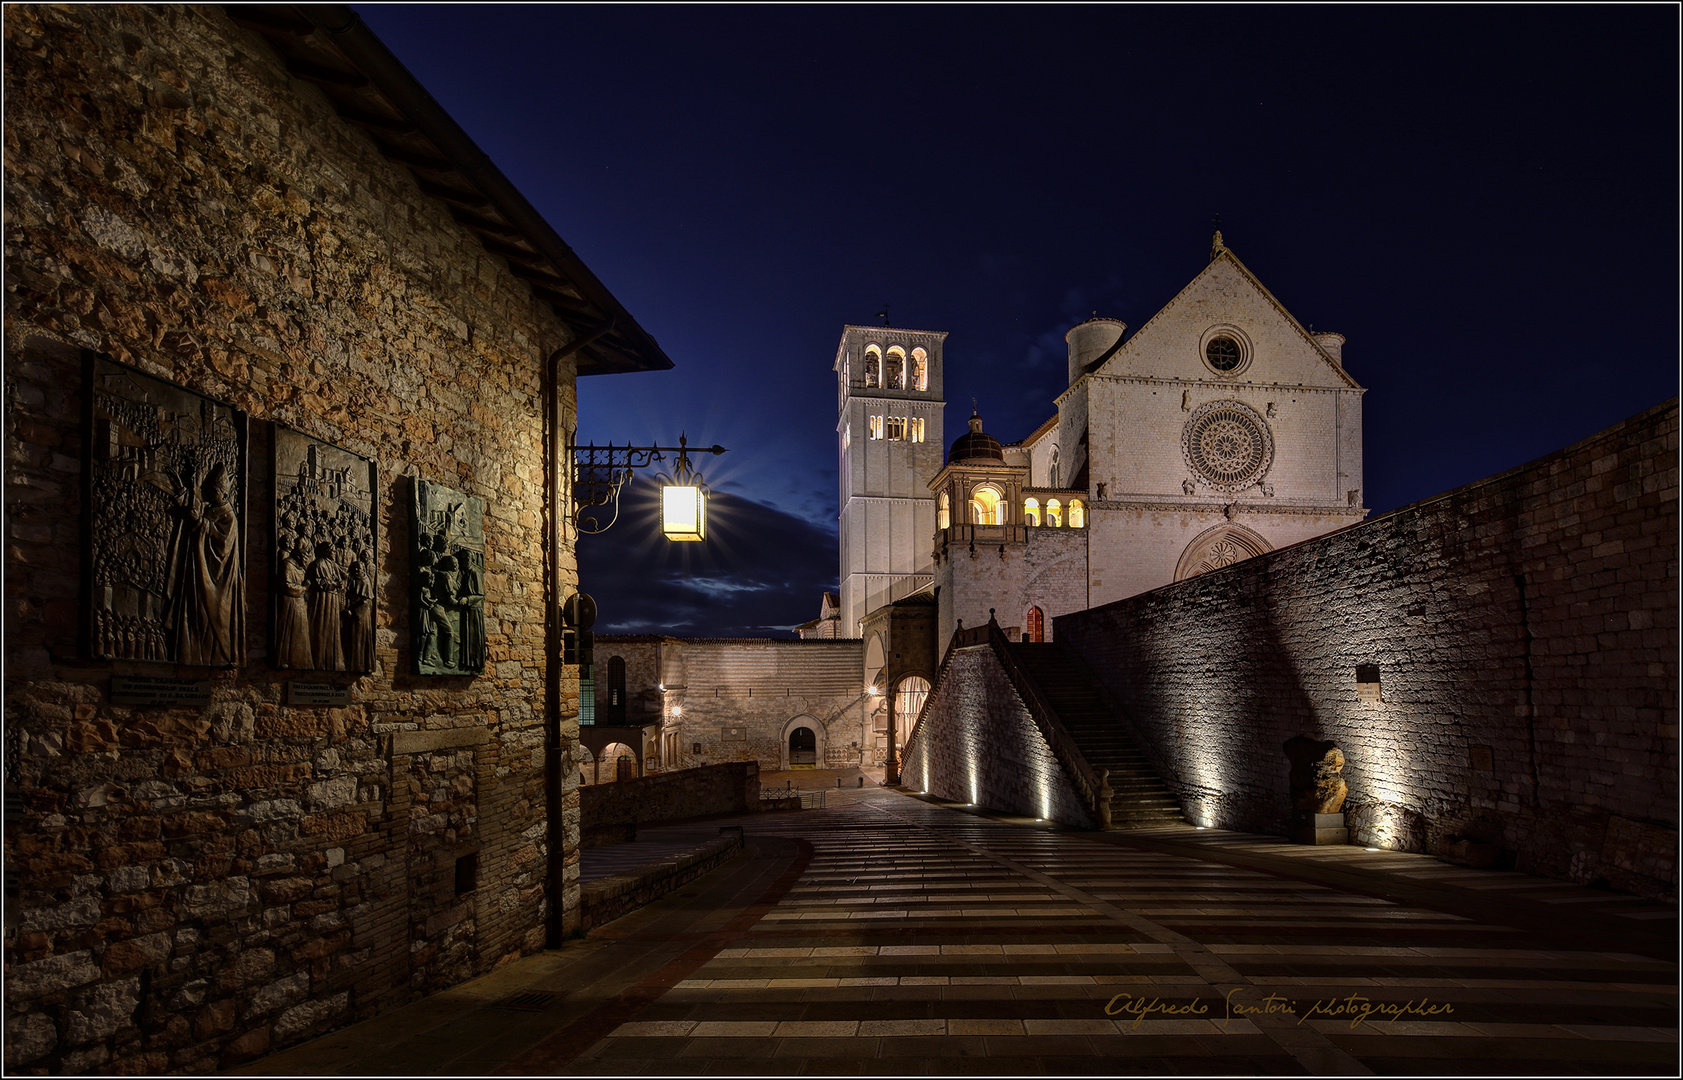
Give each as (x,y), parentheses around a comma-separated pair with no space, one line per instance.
(1484,200)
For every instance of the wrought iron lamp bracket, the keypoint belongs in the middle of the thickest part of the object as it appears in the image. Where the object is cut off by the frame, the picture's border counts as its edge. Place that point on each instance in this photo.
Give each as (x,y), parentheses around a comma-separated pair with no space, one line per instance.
(600,474)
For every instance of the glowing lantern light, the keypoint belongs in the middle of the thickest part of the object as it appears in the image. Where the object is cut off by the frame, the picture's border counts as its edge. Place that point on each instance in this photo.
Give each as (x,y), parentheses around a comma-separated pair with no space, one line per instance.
(683,500)
(683,512)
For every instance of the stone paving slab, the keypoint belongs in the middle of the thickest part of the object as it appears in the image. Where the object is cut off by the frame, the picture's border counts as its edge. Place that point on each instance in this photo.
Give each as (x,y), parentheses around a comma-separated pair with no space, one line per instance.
(1008,948)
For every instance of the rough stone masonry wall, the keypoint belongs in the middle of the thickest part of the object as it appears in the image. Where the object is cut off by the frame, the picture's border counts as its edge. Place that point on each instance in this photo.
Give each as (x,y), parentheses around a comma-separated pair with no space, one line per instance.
(977,743)
(190,887)
(729,788)
(1525,632)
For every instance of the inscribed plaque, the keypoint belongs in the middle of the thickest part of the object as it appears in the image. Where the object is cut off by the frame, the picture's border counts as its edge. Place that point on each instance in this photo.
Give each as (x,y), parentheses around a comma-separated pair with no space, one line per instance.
(158,690)
(298,693)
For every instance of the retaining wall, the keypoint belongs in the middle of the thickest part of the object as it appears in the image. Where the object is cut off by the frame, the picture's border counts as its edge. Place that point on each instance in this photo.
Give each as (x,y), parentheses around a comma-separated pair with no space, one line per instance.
(1523,630)
(977,743)
(607,899)
(729,788)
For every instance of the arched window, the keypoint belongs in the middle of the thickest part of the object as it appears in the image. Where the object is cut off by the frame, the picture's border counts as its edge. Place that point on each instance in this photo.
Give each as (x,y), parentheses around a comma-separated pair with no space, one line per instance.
(1054,480)
(1035,621)
(909,695)
(920,370)
(1054,513)
(616,690)
(873,367)
(1077,514)
(1031,511)
(895,369)
(984,506)
(943,512)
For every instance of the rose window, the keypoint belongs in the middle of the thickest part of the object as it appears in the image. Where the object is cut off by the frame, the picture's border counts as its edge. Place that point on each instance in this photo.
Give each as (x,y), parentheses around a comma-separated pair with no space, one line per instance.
(1227,445)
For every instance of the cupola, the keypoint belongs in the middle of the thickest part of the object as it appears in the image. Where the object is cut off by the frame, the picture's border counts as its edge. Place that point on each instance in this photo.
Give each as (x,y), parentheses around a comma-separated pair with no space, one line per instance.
(975,445)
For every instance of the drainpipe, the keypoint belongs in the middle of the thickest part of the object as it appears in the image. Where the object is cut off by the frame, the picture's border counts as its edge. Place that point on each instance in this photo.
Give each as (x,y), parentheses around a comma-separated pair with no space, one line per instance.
(555,444)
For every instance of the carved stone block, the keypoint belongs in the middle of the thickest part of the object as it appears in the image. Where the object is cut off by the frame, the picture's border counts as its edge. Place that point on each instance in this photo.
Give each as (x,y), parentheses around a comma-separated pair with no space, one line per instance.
(447,581)
(325,555)
(1316,787)
(165,522)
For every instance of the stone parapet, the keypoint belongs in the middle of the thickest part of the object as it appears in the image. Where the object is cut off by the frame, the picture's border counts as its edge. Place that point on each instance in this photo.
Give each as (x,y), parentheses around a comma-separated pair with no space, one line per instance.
(607,899)
(729,788)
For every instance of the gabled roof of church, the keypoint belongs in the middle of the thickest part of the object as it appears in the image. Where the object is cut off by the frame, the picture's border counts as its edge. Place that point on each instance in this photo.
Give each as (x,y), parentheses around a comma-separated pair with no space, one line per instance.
(1051,422)
(1219,251)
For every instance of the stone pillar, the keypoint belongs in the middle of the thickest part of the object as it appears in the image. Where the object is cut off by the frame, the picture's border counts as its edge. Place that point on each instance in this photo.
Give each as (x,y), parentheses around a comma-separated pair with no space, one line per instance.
(891,766)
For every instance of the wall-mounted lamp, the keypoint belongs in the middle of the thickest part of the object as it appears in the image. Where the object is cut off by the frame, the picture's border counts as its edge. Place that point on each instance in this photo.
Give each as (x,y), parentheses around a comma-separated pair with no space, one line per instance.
(601,472)
(683,500)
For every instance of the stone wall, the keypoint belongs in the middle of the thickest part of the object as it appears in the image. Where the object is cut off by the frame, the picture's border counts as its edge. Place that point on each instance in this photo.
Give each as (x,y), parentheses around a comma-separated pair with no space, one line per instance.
(198,885)
(1524,635)
(606,899)
(738,697)
(1048,571)
(730,788)
(977,743)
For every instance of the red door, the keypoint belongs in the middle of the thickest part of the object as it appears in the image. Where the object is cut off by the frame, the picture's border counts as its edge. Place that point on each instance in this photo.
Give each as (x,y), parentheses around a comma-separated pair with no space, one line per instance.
(1036,625)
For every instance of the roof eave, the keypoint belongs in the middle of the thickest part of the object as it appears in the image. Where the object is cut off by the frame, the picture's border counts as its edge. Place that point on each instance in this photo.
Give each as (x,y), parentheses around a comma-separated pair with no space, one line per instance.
(330,46)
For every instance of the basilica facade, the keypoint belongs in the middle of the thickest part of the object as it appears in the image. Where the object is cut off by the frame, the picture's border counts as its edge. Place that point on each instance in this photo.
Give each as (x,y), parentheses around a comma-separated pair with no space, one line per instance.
(1219,430)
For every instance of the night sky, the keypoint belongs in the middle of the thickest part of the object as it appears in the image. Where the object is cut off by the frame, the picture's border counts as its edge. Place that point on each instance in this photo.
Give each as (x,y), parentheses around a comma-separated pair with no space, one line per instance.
(1483,200)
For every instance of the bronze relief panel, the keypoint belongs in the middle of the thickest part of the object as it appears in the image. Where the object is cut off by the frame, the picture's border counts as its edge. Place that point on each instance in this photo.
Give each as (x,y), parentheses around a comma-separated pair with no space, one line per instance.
(326,500)
(447,581)
(165,509)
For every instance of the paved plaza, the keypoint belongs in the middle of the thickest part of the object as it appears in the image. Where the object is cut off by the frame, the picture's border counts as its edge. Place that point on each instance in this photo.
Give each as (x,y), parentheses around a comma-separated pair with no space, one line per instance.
(888,935)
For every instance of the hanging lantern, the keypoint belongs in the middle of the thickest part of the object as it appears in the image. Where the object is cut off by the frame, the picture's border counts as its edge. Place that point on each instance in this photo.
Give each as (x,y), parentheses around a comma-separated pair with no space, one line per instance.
(683,501)
(600,473)
(683,512)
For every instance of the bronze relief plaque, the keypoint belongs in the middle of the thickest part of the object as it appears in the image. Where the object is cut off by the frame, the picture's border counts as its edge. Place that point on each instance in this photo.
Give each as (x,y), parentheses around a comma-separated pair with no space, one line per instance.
(447,581)
(165,509)
(324,557)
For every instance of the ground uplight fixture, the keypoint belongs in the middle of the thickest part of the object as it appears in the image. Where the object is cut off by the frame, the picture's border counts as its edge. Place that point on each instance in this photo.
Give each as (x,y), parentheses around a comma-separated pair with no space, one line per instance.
(600,473)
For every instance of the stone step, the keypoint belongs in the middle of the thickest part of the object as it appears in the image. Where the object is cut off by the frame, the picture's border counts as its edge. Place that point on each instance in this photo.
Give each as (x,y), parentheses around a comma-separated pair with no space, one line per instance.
(1139,797)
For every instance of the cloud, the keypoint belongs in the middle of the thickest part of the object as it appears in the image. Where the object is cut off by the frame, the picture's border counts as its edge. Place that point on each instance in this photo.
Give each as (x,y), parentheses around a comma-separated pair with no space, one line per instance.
(759,573)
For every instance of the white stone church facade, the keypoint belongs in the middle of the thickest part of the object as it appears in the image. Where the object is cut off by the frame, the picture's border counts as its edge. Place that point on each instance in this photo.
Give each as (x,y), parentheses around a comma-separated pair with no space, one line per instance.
(1219,430)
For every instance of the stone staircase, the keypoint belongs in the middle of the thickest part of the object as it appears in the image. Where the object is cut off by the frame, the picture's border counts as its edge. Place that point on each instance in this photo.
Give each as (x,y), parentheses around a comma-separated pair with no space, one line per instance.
(1140,798)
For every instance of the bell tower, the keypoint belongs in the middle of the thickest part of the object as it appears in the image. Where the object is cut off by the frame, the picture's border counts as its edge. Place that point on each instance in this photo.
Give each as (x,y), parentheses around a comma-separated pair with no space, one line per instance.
(890,443)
